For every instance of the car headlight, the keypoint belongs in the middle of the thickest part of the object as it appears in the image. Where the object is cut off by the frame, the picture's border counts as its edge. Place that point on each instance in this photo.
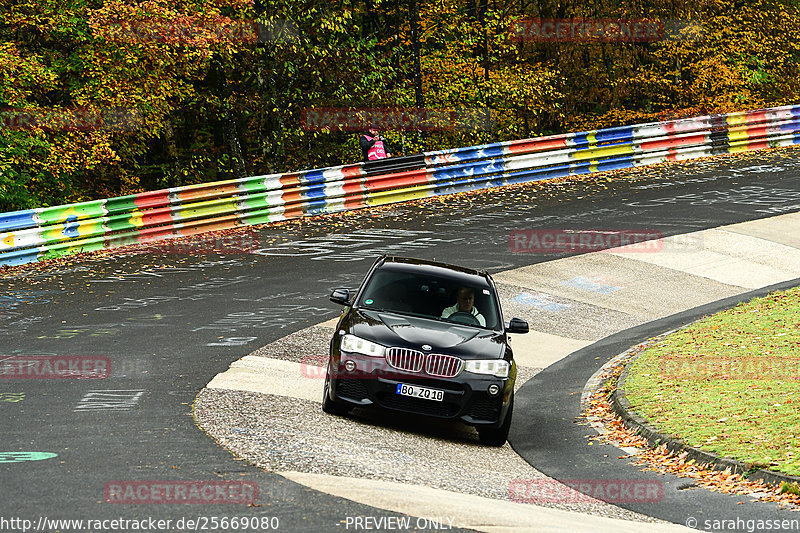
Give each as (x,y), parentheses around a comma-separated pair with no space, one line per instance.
(491,367)
(353,344)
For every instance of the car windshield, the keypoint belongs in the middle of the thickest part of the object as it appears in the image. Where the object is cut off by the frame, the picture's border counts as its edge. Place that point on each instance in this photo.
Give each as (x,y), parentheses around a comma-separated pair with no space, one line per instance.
(454,300)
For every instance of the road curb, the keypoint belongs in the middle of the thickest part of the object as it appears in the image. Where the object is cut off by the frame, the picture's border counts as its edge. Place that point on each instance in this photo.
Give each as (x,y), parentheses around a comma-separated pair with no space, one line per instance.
(622,407)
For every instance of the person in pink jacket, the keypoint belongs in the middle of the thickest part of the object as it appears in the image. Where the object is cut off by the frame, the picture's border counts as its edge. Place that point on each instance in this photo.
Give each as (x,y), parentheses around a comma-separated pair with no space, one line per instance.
(373,146)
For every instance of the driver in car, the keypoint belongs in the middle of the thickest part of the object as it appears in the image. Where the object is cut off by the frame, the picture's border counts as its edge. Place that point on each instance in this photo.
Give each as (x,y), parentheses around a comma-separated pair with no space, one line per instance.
(465,303)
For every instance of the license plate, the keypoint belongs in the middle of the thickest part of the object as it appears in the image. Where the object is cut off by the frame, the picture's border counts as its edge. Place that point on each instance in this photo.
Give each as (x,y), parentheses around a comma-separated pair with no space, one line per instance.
(420,392)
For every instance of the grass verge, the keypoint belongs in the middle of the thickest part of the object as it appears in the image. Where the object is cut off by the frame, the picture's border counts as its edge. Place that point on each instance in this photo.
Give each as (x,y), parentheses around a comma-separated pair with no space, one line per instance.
(729,383)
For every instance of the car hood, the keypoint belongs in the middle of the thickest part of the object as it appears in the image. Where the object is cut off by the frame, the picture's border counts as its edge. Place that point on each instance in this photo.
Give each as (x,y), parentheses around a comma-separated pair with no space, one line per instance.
(391,329)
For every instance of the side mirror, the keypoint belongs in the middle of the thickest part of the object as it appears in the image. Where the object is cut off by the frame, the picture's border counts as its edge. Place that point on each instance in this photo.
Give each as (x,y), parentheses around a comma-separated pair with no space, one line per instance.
(341,296)
(517,325)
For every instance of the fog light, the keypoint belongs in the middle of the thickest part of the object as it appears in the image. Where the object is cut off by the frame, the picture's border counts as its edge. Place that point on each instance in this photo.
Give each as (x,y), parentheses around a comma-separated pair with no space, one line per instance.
(350,366)
(493,389)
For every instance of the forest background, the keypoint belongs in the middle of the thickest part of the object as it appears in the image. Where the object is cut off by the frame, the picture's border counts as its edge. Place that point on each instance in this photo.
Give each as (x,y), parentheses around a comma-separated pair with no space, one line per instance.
(188,92)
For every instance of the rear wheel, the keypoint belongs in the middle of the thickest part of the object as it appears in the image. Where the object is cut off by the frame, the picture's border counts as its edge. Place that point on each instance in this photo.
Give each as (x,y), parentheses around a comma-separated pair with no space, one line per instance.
(498,436)
(330,406)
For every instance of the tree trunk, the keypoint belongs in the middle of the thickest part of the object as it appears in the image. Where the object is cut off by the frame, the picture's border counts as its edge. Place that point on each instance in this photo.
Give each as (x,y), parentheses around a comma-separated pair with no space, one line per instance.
(175,178)
(415,46)
(419,97)
(229,129)
(232,138)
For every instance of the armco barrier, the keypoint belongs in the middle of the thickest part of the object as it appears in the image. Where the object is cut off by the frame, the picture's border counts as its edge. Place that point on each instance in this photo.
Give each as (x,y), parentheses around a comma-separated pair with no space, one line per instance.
(36,234)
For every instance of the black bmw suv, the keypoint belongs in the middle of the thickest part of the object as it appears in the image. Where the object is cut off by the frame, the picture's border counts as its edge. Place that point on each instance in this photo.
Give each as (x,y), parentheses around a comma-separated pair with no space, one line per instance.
(425,338)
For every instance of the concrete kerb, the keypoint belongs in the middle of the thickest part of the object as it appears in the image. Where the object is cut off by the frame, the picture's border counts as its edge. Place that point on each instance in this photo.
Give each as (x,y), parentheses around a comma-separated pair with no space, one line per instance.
(655,438)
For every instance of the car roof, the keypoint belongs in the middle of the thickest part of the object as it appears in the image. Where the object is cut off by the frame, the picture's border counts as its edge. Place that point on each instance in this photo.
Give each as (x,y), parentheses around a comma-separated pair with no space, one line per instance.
(411,264)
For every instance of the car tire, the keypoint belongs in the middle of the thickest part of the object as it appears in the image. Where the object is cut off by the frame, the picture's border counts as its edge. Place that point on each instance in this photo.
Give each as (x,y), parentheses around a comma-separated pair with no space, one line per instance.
(330,406)
(498,436)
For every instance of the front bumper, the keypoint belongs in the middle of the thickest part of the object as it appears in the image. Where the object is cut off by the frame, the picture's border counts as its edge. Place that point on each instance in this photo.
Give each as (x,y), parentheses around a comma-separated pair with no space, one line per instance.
(466,396)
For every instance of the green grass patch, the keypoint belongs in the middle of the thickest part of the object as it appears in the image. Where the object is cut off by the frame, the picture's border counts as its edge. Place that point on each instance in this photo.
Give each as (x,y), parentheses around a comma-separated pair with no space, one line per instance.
(790,488)
(729,383)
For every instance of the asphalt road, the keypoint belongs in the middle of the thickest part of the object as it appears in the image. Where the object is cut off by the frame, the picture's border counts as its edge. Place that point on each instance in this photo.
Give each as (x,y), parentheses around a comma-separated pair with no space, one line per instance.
(169,323)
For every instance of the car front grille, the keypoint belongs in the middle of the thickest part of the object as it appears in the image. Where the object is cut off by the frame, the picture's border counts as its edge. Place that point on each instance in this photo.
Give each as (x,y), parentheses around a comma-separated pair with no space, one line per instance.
(407,360)
(443,366)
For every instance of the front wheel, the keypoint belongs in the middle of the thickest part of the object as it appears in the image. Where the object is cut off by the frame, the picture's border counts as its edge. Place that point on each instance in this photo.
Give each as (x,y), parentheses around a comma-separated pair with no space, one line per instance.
(330,406)
(498,436)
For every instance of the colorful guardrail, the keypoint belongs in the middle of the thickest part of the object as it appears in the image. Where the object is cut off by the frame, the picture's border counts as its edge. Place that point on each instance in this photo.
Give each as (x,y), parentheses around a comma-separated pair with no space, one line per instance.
(50,232)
